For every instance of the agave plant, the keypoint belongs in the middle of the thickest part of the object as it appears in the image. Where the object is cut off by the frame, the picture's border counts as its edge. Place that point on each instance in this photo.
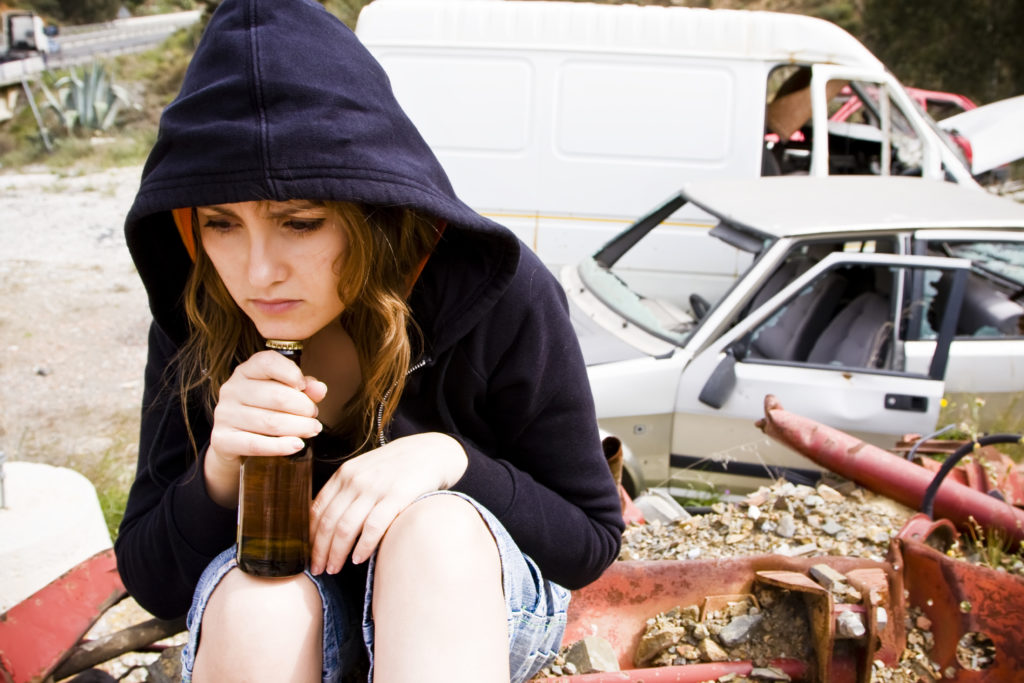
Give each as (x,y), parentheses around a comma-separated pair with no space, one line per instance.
(88,102)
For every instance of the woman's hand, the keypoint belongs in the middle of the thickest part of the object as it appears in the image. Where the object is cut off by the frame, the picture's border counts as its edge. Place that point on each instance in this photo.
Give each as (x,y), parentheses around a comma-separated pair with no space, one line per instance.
(265,408)
(357,505)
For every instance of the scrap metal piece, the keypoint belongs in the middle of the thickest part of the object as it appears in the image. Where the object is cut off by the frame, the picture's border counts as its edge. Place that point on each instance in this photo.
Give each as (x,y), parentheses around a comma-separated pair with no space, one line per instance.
(888,474)
(39,632)
(964,602)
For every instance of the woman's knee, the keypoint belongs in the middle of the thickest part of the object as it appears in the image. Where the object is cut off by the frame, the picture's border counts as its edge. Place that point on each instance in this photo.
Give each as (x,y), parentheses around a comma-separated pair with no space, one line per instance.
(439,528)
(241,601)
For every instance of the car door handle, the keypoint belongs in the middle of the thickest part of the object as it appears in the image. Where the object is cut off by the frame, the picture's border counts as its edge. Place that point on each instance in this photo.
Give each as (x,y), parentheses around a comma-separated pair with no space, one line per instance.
(915,404)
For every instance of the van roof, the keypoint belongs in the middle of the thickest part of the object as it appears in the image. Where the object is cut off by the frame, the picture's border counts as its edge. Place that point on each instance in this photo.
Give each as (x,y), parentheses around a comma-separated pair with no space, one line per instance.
(802,205)
(628,29)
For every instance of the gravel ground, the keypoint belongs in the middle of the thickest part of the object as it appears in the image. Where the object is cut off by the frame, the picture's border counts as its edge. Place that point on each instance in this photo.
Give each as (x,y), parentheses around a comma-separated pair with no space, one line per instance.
(73,318)
(73,323)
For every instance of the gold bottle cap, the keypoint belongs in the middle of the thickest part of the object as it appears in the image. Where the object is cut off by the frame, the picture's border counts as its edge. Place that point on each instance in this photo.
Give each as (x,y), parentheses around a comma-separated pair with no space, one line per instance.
(282,345)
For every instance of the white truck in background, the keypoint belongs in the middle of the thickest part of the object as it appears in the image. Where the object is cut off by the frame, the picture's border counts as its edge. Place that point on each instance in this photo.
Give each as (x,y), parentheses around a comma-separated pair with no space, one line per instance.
(25,35)
(566,121)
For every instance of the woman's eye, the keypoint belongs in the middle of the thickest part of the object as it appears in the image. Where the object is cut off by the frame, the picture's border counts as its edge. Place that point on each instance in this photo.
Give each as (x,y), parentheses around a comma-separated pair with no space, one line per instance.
(304,224)
(218,224)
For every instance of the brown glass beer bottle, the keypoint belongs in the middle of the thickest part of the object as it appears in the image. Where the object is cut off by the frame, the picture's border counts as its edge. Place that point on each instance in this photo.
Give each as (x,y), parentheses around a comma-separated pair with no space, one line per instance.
(273,504)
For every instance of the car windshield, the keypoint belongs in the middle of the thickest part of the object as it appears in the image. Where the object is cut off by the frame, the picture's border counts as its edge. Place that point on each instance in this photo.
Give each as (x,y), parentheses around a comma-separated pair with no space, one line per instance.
(654,304)
(655,316)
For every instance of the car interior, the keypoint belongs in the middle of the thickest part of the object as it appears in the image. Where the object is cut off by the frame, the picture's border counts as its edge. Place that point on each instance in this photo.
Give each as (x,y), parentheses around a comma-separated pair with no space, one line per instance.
(843,318)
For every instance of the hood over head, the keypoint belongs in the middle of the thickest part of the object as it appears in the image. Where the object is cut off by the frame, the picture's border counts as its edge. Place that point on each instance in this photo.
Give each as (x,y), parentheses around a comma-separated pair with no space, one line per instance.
(281,101)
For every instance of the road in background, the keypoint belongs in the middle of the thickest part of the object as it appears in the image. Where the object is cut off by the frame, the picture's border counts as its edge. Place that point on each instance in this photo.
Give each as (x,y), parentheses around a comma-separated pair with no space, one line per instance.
(81,44)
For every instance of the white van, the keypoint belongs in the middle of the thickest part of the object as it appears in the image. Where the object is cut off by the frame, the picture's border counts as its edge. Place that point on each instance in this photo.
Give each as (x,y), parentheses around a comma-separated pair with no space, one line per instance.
(567,120)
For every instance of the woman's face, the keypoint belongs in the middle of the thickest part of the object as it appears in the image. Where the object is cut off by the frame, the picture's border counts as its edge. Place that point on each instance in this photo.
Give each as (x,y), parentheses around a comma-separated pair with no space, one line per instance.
(280,261)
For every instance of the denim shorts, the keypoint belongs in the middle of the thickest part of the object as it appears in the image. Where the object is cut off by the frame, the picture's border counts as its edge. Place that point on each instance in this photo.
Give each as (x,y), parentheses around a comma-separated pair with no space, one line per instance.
(535,609)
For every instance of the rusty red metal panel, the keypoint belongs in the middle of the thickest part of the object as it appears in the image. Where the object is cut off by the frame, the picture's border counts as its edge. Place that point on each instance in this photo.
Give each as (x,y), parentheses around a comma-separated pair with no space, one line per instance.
(37,633)
(962,598)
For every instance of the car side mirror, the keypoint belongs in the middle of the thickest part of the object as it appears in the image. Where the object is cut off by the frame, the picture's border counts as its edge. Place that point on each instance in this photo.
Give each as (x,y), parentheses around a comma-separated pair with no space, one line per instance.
(721,383)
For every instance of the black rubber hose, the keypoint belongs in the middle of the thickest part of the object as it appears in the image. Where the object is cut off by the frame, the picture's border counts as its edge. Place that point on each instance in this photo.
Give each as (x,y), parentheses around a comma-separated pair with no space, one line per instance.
(928,502)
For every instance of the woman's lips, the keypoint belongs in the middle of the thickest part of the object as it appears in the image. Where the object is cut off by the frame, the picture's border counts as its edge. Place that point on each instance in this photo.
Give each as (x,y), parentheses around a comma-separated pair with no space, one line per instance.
(275,306)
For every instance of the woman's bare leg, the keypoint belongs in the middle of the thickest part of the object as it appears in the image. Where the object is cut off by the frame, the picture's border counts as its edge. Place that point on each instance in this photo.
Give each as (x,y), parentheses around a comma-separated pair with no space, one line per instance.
(257,629)
(438,605)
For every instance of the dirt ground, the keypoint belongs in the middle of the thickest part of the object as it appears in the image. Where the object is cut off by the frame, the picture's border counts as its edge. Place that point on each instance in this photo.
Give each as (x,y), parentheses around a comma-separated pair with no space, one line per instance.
(73,319)
(73,325)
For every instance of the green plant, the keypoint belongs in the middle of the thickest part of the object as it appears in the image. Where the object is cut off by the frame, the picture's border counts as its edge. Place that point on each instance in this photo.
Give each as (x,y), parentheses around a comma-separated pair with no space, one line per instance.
(972,416)
(991,547)
(89,102)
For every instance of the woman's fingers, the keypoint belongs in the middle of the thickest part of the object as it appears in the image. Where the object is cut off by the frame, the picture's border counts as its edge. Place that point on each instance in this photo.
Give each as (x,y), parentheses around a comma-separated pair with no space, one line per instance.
(268,394)
(354,509)
(241,443)
(268,422)
(336,523)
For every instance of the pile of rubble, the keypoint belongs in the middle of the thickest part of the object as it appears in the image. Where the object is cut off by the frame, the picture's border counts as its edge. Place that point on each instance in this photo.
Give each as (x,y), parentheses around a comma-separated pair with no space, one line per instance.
(784,519)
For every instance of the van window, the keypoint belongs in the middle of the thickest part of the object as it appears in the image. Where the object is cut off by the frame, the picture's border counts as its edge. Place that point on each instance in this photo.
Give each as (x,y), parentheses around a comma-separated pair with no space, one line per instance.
(860,115)
(787,149)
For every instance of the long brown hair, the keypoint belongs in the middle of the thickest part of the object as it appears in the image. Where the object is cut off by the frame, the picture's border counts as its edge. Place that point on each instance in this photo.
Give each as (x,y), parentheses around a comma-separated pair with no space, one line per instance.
(386,248)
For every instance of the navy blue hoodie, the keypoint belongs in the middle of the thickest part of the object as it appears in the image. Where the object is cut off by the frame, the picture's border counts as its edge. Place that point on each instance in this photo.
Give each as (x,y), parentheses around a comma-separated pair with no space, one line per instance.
(281,102)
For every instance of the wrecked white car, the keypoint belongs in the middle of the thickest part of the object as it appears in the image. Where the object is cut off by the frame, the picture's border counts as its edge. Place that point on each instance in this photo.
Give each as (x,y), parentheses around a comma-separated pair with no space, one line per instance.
(865,302)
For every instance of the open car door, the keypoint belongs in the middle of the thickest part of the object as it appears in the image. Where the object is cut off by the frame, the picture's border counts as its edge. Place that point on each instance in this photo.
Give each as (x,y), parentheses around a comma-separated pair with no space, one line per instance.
(830,346)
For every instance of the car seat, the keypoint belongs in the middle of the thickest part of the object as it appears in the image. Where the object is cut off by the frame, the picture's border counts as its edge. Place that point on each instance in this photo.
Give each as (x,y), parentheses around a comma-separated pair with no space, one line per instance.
(793,330)
(859,335)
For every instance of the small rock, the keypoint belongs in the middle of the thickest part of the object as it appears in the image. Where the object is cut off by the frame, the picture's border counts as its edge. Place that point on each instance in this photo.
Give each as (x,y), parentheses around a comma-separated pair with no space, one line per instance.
(653,643)
(800,550)
(592,655)
(691,612)
(850,625)
(737,608)
(738,630)
(167,668)
(831,527)
(786,527)
(689,652)
(769,673)
(658,506)
(829,494)
(712,651)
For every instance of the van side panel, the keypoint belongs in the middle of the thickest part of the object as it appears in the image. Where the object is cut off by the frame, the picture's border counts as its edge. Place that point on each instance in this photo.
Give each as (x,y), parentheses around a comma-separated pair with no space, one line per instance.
(588,141)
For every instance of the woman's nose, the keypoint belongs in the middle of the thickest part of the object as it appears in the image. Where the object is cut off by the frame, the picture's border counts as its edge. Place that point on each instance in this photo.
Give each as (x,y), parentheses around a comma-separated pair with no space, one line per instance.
(266,265)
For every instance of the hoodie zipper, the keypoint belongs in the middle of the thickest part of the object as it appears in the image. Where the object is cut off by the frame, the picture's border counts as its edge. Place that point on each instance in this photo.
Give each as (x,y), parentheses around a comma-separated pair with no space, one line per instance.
(380,408)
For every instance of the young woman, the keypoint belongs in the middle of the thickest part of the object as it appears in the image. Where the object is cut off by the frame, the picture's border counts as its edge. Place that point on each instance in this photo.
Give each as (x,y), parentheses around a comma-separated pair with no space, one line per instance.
(460,489)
